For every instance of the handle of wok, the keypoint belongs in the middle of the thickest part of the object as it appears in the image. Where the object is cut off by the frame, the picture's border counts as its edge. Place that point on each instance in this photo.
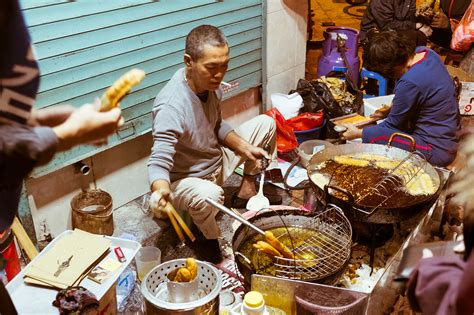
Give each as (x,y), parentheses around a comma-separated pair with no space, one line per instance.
(287,174)
(349,196)
(402,135)
(232,214)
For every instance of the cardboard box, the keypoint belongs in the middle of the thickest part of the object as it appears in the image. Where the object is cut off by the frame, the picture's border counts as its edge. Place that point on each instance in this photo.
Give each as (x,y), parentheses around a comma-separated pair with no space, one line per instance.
(466,98)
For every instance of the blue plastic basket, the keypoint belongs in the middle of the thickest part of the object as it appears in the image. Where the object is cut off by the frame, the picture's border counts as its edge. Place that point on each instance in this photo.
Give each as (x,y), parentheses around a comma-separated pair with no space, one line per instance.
(310,134)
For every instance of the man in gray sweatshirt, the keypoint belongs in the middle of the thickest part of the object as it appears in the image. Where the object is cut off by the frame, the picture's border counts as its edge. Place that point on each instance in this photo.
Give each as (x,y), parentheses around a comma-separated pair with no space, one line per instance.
(194,149)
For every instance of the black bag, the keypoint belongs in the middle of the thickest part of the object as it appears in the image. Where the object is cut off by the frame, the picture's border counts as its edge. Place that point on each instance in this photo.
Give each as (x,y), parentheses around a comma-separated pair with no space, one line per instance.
(310,98)
(326,101)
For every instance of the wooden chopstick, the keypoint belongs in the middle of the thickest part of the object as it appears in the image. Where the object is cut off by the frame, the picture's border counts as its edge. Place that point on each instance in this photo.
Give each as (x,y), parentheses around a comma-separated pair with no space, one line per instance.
(182,223)
(174,223)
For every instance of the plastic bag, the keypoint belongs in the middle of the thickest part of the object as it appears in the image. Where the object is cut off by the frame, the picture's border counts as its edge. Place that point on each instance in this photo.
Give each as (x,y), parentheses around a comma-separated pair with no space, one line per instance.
(125,284)
(463,35)
(310,98)
(286,140)
(326,101)
(306,121)
(288,105)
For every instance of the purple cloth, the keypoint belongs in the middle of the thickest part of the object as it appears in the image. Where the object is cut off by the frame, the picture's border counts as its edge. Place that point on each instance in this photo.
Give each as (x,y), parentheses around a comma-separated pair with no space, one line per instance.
(442,285)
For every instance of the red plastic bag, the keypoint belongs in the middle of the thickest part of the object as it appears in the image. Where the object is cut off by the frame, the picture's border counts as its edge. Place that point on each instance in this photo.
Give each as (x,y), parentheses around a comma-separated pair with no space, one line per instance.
(286,140)
(306,121)
(463,35)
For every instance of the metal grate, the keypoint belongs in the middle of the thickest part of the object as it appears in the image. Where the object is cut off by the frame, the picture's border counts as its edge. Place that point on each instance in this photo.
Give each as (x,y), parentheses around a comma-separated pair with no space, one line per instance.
(322,254)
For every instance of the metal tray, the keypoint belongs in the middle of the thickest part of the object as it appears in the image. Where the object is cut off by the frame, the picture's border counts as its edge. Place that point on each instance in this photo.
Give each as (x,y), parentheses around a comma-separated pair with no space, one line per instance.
(29,299)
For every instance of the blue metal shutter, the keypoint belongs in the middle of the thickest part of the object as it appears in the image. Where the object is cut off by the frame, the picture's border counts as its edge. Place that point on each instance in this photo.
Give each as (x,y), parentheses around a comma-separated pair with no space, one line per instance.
(83,46)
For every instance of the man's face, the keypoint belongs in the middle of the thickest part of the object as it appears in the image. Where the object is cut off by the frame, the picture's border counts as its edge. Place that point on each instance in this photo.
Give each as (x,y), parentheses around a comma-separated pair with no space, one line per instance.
(207,72)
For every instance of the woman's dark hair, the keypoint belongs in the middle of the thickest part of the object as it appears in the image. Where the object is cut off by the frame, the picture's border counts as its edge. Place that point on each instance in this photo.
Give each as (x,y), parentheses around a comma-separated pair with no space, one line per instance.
(201,36)
(387,50)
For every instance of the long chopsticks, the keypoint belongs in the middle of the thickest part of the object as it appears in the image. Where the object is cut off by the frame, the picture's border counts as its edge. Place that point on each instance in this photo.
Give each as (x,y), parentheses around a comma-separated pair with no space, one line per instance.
(178,223)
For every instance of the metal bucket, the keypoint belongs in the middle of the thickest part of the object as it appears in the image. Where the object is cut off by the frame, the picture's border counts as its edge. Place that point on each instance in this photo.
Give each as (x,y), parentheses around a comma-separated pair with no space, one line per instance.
(92,212)
(157,300)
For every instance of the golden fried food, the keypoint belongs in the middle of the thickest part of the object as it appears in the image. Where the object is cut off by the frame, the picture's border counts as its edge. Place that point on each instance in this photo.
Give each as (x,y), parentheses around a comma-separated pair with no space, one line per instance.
(356,119)
(349,160)
(279,246)
(183,275)
(192,266)
(267,249)
(120,88)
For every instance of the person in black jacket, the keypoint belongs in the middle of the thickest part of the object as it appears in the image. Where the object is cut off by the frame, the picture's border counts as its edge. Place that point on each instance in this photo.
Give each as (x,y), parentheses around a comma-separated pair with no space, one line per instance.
(397,15)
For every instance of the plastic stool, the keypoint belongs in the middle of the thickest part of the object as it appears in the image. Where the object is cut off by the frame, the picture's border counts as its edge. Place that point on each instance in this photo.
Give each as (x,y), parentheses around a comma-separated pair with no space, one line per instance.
(364,73)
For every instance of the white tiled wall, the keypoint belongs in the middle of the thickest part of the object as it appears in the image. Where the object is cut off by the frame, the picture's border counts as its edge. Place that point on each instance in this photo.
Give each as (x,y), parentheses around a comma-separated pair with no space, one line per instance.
(285,45)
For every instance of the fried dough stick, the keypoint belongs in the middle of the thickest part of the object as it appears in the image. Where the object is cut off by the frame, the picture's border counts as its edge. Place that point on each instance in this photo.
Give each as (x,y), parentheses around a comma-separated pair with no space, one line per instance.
(120,88)
(279,246)
(267,249)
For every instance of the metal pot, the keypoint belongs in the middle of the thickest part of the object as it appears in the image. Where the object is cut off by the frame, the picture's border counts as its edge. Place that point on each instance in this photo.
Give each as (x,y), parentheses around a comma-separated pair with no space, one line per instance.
(210,283)
(331,267)
(382,214)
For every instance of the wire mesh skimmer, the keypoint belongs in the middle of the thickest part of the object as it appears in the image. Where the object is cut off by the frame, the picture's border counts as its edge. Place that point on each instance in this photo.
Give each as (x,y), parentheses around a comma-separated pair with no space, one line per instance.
(321,246)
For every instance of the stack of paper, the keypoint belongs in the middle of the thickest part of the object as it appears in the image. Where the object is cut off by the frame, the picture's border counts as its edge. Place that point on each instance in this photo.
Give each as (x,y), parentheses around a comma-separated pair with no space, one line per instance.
(68,260)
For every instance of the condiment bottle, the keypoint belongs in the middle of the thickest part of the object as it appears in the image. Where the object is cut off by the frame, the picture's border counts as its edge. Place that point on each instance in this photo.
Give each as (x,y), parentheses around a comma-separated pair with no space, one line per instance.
(253,304)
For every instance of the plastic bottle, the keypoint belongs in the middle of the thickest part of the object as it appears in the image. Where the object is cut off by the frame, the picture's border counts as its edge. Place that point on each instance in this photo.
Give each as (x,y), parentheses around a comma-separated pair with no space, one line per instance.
(253,304)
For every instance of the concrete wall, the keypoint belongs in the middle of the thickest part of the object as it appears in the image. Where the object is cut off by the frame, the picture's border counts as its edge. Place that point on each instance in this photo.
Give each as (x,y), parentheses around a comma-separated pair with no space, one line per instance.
(285,45)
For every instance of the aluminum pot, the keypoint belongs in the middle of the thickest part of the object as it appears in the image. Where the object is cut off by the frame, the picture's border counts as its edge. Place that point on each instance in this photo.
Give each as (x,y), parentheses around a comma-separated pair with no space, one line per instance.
(207,303)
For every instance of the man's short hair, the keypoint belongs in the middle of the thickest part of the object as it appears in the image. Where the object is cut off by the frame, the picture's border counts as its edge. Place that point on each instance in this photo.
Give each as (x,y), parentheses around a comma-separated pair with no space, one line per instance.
(201,36)
(387,50)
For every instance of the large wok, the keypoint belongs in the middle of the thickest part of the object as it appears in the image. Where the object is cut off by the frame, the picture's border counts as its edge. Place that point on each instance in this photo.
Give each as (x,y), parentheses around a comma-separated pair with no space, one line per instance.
(357,212)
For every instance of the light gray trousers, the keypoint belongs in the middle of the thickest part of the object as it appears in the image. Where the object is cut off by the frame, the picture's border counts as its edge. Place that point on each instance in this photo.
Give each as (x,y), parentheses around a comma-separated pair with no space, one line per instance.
(189,193)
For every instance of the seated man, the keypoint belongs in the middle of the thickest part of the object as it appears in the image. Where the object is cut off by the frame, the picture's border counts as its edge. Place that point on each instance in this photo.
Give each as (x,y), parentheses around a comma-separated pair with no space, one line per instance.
(194,150)
(424,105)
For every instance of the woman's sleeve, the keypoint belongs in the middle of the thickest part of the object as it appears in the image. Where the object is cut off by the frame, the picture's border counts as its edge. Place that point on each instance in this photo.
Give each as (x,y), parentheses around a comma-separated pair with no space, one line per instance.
(23,148)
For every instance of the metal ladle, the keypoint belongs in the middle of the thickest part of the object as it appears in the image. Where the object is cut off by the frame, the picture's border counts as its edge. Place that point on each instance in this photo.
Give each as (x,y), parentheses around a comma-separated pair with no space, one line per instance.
(269,237)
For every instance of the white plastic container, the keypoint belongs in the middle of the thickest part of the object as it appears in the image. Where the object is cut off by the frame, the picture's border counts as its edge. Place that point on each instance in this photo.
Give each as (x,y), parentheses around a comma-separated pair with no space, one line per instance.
(374,103)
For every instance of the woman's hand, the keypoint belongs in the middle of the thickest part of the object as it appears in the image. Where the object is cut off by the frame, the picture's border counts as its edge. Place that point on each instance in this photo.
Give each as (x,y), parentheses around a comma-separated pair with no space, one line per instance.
(352,132)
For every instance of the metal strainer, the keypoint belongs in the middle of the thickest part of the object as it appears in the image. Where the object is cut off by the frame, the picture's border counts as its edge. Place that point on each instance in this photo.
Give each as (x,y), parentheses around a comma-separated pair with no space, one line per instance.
(158,302)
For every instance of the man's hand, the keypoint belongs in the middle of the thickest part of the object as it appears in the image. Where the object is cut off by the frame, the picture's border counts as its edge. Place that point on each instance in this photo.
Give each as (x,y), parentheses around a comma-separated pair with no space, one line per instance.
(440,20)
(352,132)
(161,195)
(252,152)
(86,124)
